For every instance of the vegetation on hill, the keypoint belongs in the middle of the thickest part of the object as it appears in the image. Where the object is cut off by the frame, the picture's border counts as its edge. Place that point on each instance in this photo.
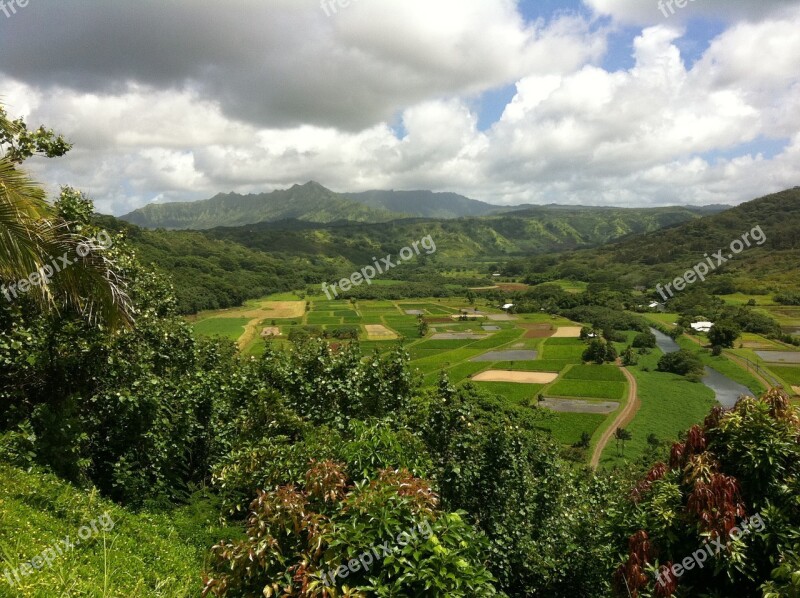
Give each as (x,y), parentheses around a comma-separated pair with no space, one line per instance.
(426,204)
(658,257)
(309,203)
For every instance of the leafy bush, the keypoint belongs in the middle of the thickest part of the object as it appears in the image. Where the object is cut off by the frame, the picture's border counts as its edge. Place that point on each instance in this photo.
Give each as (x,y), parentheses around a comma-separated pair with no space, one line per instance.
(384,537)
(723,334)
(681,362)
(644,340)
(742,464)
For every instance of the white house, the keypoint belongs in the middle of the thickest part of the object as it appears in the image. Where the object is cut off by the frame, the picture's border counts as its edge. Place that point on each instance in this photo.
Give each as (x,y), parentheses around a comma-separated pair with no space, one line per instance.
(702,326)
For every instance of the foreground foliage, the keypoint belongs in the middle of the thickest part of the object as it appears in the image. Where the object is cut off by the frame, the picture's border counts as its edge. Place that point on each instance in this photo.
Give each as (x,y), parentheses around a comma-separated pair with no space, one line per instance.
(741,466)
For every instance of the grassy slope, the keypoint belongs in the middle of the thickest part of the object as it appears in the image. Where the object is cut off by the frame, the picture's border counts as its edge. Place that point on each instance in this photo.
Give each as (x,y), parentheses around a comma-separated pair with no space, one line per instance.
(144,555)
(670,405)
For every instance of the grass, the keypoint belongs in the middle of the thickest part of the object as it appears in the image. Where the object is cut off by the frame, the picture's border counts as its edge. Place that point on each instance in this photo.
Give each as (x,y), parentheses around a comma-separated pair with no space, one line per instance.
(789,374)
(724,366)
(142,555)
(591,389)
(443,345)
(743,299)
(670,405)
(521,394)
(497,339)
(231,328)
(571,351)
(667,319)
(567,428)
(608,373)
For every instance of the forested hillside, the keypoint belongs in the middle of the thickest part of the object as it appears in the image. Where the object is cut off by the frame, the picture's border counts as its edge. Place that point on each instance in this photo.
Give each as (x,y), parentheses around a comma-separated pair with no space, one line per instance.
(225,266)
(660,256)
(310,203)
(426,204)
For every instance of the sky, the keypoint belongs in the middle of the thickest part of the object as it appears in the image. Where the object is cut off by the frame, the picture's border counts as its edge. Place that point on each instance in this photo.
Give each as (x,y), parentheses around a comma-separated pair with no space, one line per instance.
(633,103)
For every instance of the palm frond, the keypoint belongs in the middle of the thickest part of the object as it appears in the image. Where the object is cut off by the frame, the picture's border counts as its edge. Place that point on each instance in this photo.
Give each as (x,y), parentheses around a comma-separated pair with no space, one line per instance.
(33,241)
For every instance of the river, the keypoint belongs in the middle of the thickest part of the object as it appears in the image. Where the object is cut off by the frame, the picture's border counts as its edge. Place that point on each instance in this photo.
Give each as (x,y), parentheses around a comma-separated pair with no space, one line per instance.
(726,390)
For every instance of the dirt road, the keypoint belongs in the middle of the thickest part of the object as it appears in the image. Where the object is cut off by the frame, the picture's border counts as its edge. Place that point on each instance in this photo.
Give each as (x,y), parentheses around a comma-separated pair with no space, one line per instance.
(623,419)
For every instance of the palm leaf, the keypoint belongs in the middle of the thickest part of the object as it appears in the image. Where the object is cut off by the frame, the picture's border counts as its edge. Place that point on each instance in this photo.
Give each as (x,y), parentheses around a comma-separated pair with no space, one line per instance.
(32,240)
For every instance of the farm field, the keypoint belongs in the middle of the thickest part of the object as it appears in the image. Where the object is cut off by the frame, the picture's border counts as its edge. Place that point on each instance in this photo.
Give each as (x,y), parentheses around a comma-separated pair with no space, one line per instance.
(505,360)
(743,299)
(230,328)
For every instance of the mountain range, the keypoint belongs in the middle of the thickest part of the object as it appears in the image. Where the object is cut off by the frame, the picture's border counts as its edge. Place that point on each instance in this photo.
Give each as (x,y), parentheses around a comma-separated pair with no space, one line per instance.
(307,203)
(316,204)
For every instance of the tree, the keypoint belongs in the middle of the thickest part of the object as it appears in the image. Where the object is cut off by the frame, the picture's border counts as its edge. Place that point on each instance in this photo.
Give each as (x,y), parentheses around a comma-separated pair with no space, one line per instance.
(33,235)
(729,489)
(322,536)
(628,357)
(644,340)
(422,327)
(597,351)
(681,362)
(724,334)
(611,353)
(584,442)
(622,436)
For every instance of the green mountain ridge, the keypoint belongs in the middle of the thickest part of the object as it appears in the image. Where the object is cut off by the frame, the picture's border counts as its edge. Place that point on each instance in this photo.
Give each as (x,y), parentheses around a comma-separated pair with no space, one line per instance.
(316,204)
(536,230)
(427,204)
(659,256)
(224,266)
(310,202)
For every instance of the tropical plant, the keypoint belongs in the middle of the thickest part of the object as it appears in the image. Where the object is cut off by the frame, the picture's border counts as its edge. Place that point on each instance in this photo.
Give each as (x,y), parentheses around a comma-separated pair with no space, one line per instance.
(44,256)
(331,536)
(730,490)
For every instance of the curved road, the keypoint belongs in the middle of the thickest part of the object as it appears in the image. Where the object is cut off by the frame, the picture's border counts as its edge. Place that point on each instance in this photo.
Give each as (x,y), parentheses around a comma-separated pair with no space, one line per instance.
(623,419)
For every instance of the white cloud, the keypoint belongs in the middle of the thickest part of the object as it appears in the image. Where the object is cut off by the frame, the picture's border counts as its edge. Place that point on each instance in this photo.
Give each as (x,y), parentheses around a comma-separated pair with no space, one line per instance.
(303,107)
(650,12)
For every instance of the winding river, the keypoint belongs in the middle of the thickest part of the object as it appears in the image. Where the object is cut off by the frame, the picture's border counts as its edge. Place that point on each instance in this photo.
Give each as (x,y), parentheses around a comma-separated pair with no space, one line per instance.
(726,390)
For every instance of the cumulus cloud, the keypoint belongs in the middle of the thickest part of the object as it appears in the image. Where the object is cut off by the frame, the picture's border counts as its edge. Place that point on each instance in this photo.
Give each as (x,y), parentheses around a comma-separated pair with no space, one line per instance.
(166,108)
(649,12)
(283,63)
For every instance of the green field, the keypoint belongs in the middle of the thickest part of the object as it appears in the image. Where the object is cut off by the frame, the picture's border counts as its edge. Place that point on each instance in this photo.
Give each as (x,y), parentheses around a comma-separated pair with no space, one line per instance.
(743,299)
(567,428)
(566,349)
(231,328)
(670,405)
(521,394)
(608,373)
(592,389)
(430,357)
(789,374)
